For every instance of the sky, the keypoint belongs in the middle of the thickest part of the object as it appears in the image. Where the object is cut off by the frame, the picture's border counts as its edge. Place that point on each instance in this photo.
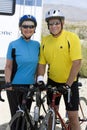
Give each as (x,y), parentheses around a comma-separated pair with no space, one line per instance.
(76,3)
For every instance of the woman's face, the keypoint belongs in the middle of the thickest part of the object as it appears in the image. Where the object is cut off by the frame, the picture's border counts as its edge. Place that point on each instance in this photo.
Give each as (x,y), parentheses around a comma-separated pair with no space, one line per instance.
(27,29)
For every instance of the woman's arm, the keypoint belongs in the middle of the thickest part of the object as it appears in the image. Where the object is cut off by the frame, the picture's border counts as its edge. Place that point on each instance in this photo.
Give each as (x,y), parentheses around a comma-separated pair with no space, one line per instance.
(8,70)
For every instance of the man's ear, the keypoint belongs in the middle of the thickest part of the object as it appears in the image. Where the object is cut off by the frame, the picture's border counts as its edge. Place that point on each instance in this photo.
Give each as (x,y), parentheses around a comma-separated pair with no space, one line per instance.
(63,22)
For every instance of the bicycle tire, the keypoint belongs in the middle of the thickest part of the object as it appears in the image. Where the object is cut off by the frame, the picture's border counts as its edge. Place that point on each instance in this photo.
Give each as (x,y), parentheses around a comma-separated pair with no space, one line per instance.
(17,115)
(83,112)
(86,127)
(21,122)
(47,123)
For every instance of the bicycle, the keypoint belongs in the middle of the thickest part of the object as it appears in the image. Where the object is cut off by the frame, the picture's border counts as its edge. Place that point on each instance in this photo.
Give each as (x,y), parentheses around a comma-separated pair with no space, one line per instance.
(43,123)
(49,122)
(23,117)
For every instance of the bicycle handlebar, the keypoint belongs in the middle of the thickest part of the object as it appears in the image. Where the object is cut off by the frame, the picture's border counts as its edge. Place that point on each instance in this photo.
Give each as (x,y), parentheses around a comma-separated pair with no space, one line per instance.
(28,90)
(61,90)
(31,89)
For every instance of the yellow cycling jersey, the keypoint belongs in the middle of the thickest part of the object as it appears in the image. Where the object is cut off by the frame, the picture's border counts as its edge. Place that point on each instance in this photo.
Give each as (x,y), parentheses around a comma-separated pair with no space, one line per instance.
(59,53)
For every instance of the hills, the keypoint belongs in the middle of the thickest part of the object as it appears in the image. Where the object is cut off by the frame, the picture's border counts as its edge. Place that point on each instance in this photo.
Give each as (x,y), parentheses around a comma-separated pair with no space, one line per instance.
(71,13)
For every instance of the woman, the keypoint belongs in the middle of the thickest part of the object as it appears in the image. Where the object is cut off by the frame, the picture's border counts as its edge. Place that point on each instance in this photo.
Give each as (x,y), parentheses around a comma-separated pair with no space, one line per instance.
(25,52)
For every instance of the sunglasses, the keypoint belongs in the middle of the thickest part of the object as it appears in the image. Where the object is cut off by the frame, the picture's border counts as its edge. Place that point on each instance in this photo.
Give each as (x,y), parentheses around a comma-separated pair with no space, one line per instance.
(54,23)
(28,26)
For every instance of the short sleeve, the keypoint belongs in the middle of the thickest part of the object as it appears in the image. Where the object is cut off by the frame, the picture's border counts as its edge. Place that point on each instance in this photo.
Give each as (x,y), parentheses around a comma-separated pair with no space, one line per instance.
(9,52)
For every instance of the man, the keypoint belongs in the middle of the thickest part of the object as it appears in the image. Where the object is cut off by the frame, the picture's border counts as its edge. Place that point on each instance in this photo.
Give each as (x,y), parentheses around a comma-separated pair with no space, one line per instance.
(61,50)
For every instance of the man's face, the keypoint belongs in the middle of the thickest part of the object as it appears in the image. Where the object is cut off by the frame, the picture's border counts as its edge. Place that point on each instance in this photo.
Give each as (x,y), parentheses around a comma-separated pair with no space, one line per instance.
(55,26)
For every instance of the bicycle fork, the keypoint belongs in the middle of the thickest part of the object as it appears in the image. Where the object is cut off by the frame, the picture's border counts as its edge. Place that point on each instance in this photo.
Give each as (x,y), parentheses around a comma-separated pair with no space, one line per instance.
(48,122)
(52,119)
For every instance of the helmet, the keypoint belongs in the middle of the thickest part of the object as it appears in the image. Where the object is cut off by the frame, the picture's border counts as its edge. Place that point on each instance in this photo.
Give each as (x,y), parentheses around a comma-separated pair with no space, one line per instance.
(54,14)
(26,18)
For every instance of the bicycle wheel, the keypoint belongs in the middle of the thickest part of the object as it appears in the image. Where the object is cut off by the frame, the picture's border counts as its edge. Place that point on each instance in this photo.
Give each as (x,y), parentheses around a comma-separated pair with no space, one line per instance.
(86,127)
(83,112)
(19,122)
(48,122)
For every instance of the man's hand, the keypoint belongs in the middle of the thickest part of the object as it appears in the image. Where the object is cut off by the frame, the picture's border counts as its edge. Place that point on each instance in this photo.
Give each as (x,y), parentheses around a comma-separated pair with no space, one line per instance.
(66,87)
(40,85)
(40,82)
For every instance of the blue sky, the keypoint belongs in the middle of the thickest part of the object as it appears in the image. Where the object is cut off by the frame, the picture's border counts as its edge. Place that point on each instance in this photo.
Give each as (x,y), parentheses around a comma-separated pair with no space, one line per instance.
(77,3)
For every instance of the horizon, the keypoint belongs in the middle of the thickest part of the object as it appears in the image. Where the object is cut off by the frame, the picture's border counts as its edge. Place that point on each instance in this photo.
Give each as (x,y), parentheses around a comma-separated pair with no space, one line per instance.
(81,4)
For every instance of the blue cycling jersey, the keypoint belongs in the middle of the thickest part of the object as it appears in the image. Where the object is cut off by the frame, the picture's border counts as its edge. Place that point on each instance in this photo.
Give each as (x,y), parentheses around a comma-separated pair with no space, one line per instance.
(27,53)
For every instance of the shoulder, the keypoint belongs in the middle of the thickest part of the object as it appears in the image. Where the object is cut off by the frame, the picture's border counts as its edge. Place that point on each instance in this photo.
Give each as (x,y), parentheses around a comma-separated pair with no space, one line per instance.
(71,35)
(13,45)
(35,42)
(46,39)
(15,41)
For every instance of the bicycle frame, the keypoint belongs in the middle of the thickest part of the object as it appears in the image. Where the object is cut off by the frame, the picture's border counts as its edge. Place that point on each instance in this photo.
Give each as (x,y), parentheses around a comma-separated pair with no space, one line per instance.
(65,125)
(55,95)
(37,94)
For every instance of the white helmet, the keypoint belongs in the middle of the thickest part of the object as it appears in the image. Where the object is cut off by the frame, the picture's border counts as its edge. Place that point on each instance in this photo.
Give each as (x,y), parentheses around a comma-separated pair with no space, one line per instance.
(54,14)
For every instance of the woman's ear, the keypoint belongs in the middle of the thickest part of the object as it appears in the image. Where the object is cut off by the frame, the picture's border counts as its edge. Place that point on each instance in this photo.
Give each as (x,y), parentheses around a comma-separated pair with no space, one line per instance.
(35,30)
(20,28)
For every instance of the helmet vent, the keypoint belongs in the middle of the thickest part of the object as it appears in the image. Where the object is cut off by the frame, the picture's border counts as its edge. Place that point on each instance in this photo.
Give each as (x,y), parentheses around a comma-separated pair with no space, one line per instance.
(49,12)
(54,11)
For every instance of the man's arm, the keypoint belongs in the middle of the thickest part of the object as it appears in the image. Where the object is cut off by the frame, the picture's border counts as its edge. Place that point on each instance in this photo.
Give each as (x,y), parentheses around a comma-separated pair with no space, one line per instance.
(41,72)
(76,64)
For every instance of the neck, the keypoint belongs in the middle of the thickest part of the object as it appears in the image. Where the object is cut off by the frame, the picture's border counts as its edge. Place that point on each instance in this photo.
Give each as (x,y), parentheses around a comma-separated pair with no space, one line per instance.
(26,38)
(57,35)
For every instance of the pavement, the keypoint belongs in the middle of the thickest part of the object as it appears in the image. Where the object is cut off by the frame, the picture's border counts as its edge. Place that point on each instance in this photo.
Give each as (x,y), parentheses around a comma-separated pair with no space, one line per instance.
(4,112)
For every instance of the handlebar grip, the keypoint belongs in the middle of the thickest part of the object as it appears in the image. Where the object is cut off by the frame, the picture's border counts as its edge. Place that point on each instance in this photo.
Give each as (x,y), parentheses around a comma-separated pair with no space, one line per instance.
(69,95)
